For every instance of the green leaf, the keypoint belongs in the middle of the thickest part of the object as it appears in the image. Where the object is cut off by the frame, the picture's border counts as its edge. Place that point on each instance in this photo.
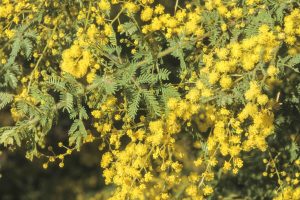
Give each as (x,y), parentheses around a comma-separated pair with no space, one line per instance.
(27,46)
(57,83)
(294,151)
(77,133)
(163,74)
(129,28)
(66,100)
(146,78)
(294,61)
(7,136)
(178,53)
(134,105)
(113,39)
(168,91)
(107,83)
(151,102)
(5,98)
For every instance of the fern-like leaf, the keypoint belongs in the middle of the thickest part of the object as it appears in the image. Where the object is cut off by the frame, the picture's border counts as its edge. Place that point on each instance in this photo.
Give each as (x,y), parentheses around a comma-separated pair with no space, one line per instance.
(66,100)
(134,105)
(5,98)
(27,47)
(151,102)
(163,74)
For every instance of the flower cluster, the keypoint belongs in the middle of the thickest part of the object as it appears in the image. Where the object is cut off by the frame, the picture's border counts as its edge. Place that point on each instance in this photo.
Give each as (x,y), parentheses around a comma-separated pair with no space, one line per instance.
(175,94)
(291,30)
(76,61)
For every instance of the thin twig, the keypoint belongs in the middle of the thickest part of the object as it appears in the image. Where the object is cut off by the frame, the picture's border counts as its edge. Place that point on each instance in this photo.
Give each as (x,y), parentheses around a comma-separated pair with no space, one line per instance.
(40,59)
(207,168)
(117,16)
(88,15)
(176,5)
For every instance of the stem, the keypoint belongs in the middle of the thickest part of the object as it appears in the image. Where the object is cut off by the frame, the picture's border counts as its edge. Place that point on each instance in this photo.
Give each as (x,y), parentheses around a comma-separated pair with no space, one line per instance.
(176,5)
(276,170)
(207,168)
(117,16)
(88,15)
(40,59)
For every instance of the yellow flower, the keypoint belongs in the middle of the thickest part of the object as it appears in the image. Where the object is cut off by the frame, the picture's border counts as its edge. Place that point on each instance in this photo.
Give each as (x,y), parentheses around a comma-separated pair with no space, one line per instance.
(181,15)
(262,99)
(106,159)
(108,174)
(234,150)
(200,85)
(159,9)
(225,82)
(222,53)
(206,92)
(165,196)
(146,14)
(75,61)
(45,165)
(91,32)
(108,30)
(237,12)
(148,177)
(198,162)
(104,5)
(172,103)
(9,33)
(156,24)
(272,70)
(253,91)
(193,95)
(90,77)
(226,166)
(61,165)
(238,162)
(191,190)
(89,138)
(131,7)
(223,66)
(235,50)
(224,27)
(235,170)
(207,190)
(156,126)
(141,149)
(96,113)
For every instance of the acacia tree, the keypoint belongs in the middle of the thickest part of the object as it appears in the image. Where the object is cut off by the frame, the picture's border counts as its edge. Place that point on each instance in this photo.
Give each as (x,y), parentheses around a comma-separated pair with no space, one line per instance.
(180,96)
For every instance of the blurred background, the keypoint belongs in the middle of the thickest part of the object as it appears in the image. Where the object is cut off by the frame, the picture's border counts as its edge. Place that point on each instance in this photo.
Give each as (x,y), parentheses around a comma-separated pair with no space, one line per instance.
(81,178)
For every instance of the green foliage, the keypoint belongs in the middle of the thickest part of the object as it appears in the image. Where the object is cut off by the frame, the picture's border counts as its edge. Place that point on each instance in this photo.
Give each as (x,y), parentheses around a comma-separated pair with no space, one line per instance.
(5,98)
(77,133)
(132,73)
